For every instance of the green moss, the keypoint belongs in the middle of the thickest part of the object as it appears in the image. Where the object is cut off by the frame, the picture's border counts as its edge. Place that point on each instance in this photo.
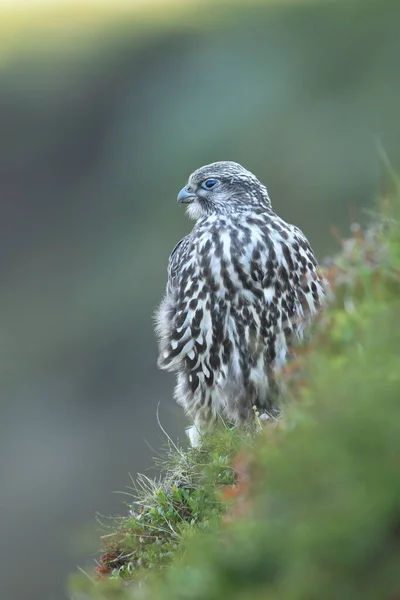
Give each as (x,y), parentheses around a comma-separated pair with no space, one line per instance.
(308,509)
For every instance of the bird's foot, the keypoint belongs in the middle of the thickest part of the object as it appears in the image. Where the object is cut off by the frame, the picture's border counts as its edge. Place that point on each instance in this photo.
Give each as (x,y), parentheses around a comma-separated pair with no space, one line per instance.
(194,435)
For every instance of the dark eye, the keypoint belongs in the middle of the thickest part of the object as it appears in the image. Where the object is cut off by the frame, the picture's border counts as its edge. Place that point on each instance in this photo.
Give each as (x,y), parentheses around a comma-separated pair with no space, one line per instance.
(209,183)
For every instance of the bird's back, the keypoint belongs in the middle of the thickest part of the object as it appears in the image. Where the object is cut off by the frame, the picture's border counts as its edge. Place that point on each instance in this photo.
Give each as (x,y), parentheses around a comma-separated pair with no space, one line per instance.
(241,288)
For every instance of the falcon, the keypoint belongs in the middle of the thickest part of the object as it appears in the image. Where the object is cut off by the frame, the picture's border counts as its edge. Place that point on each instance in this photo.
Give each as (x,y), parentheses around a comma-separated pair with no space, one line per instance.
(242,287)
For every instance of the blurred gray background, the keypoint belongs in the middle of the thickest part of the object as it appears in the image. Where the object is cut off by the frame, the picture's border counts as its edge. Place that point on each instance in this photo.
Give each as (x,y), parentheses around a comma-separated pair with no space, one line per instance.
(102,119)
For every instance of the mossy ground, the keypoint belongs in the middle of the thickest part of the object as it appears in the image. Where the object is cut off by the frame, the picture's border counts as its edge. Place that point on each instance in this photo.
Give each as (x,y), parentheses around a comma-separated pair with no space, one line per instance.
(302,509)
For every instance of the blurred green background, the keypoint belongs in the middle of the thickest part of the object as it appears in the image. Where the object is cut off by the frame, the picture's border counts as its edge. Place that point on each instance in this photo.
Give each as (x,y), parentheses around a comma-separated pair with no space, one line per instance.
(104,112)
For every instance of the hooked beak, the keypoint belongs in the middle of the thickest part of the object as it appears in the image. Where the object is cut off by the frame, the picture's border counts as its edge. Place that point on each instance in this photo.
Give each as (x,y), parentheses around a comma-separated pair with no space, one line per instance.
(186,195)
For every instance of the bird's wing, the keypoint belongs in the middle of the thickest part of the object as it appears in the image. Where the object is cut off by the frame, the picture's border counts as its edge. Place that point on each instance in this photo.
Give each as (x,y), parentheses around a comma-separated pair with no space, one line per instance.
(190,322)
(311,283)
(301,286)
(175,315)
(283,266)
(175,261)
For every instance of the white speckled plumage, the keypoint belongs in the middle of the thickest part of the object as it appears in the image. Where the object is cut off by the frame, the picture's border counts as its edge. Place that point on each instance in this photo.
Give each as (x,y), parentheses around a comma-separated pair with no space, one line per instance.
(241,288)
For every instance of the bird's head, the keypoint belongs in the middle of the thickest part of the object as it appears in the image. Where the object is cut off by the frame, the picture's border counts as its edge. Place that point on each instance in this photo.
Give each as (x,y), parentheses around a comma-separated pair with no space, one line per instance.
(222,187)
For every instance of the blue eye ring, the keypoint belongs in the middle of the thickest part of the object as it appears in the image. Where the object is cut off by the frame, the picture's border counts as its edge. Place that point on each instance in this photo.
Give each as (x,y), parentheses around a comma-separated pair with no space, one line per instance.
(209,183)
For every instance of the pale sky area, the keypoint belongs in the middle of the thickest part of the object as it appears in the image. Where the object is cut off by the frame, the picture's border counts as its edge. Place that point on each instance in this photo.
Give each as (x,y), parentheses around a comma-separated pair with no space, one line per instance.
(83,3)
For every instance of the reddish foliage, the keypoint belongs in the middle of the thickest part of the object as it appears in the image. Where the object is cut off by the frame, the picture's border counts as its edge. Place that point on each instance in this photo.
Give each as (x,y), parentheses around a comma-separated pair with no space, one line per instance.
(239,494)
(109,561)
